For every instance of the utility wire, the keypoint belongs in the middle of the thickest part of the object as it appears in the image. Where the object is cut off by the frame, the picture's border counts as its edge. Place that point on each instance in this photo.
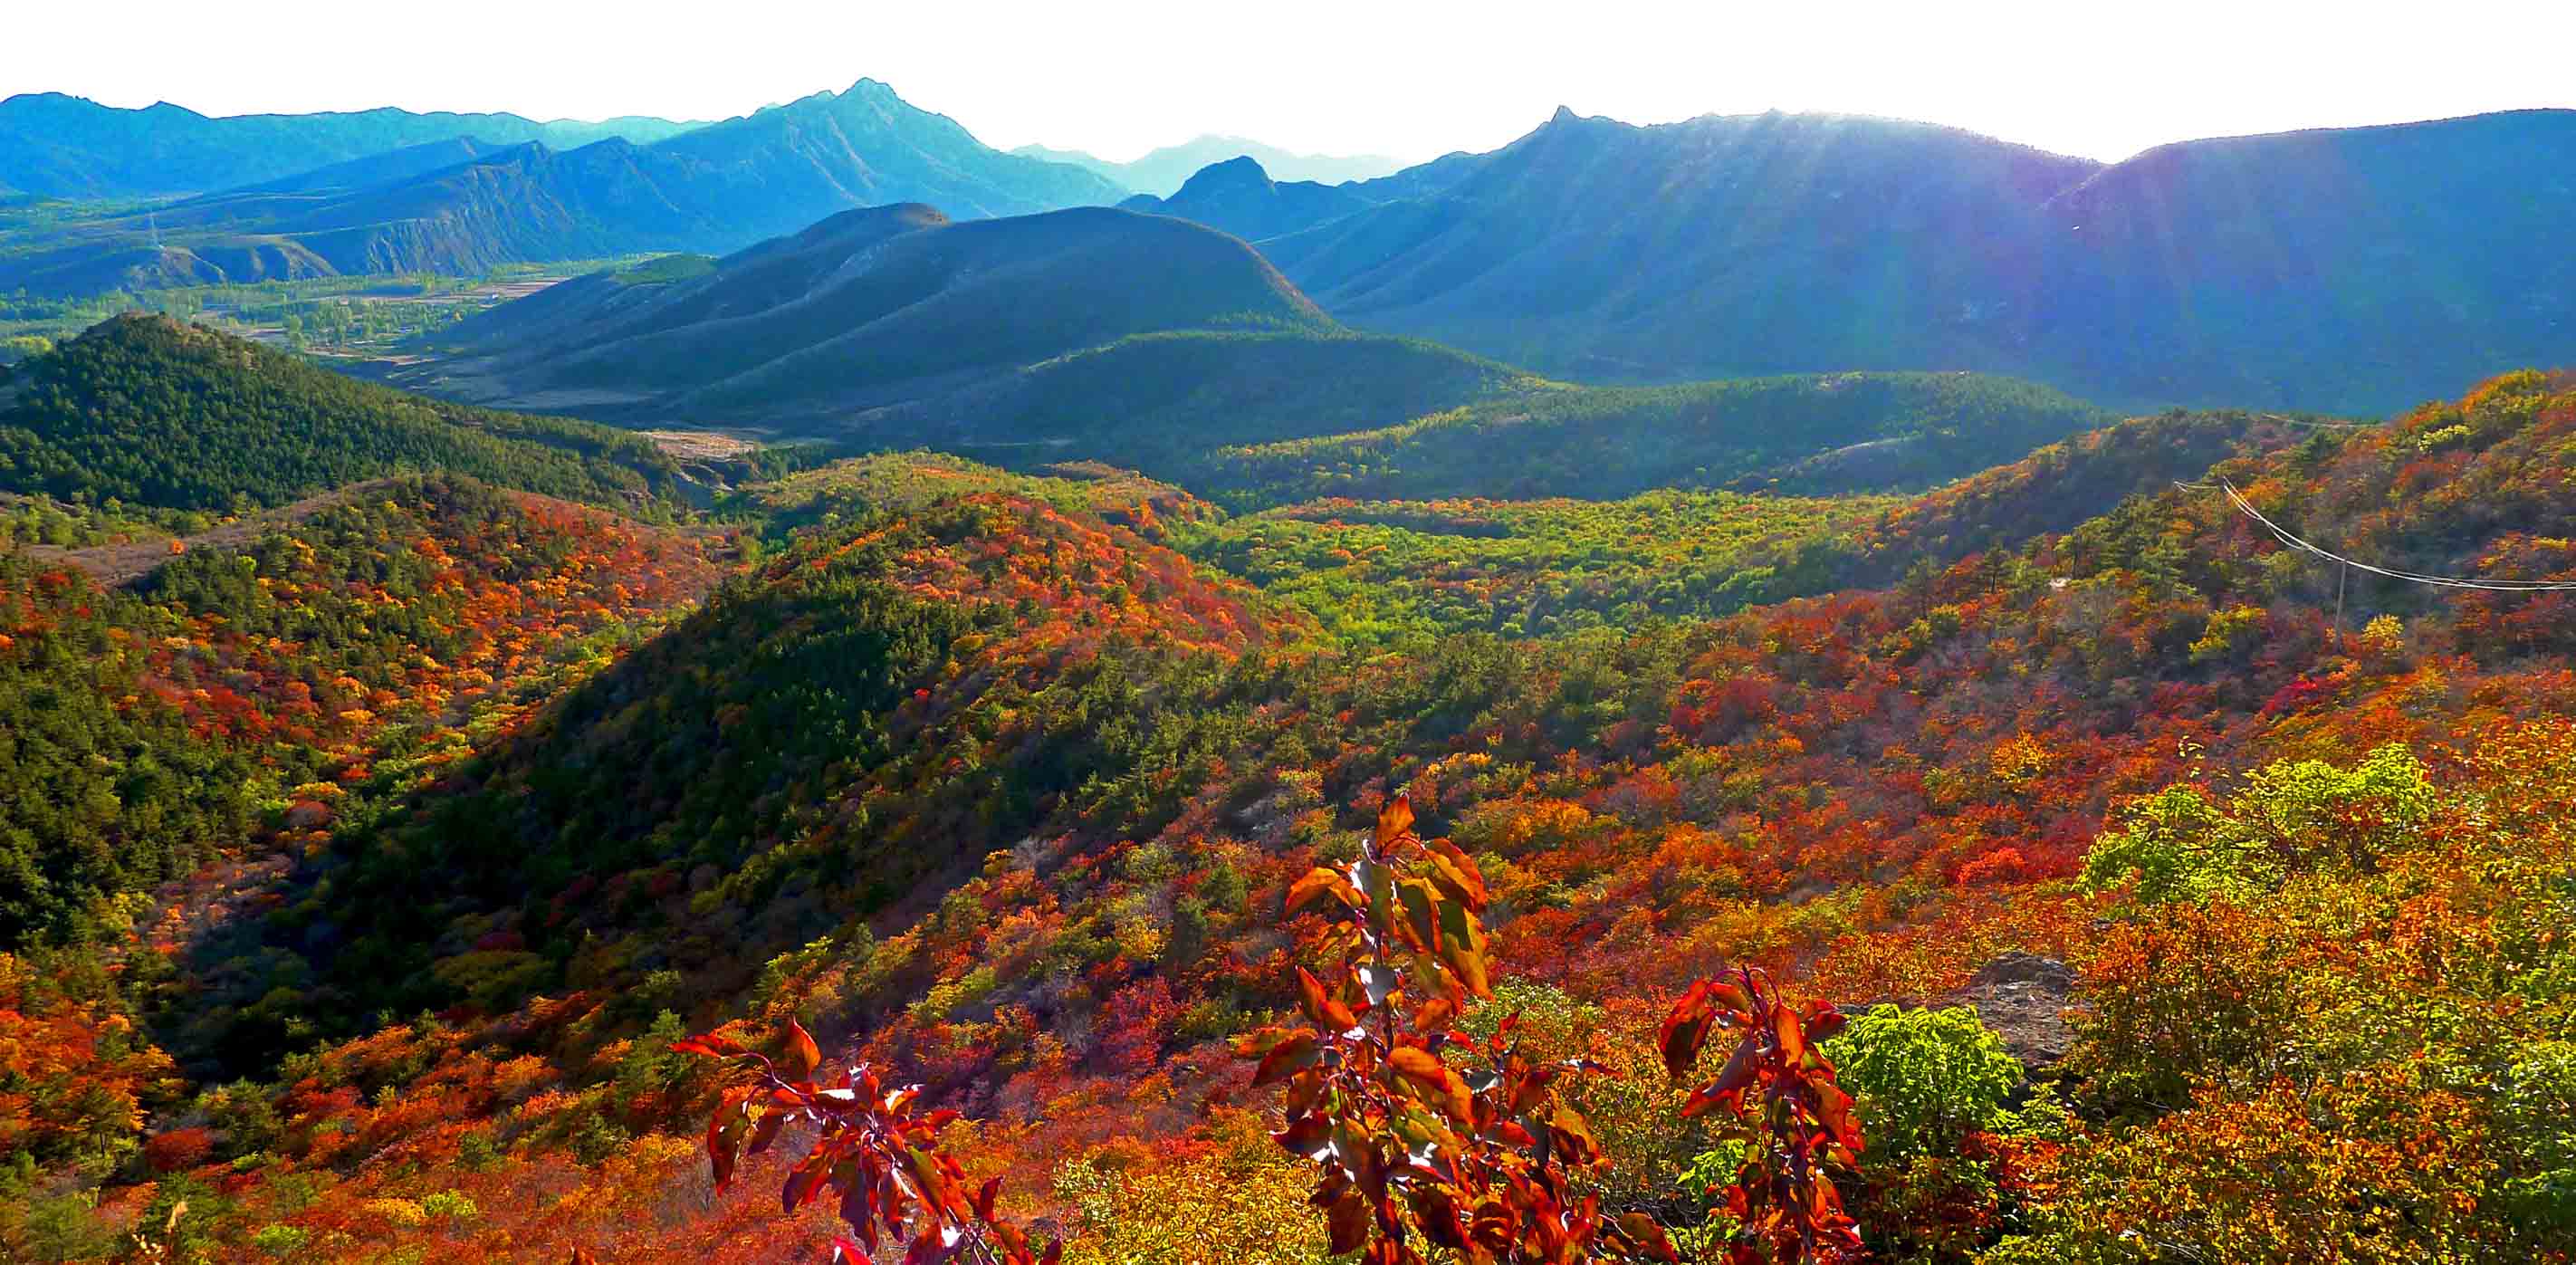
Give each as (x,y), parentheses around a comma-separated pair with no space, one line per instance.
(2286,537)
(2314,424)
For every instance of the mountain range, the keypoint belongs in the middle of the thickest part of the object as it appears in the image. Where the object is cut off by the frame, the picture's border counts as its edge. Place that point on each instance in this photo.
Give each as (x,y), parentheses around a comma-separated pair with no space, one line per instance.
(2352,270)
(714,188)
(57,146)
(1164,170)
(2348,270)
(1006,779)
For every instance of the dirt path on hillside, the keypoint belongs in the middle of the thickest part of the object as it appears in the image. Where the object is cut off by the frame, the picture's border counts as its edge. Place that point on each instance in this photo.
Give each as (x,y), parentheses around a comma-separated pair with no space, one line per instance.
(120,566)
(124,565)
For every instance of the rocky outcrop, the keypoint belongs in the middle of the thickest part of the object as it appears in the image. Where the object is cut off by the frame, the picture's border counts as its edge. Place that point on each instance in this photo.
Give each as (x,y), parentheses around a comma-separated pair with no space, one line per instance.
(2023,997)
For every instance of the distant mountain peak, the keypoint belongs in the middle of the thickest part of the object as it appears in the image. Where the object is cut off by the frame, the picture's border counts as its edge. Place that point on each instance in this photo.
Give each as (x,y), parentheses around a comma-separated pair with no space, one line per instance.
(1564,114)
(1240,172)
(1163,172)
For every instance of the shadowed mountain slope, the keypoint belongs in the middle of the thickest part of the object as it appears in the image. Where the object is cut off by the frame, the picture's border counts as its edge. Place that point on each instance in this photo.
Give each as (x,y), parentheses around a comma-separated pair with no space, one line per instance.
(867,309)
(2346,270)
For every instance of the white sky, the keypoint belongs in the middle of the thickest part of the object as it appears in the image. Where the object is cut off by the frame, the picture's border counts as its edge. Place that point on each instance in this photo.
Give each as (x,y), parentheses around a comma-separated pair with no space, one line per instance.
(1408,78)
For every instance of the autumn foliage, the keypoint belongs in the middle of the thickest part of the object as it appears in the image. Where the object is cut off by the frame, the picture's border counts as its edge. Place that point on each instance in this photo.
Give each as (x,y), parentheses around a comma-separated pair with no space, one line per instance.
(1480,1157)
(391,884)
(875,1149)
(1780,1088)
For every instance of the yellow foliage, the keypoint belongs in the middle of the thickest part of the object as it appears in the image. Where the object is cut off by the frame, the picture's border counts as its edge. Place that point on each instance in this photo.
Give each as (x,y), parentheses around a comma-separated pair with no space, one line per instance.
(1241,1199)
(402,1212)
(2383,635)
(2019,760)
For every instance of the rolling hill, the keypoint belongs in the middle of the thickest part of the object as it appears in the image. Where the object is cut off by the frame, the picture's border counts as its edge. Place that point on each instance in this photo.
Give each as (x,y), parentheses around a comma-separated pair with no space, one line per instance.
(895,324)
(1810,435)
(715,188)
(158,415)
(2352,270)
(58,146)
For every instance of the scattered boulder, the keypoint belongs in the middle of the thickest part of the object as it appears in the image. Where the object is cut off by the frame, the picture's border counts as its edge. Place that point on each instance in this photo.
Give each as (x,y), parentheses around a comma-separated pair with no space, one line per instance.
(2026,968)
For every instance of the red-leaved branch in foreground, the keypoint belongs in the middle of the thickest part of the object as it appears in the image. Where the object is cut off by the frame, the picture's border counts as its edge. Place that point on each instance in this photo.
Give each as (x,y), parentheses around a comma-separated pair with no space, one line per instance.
(877,1152)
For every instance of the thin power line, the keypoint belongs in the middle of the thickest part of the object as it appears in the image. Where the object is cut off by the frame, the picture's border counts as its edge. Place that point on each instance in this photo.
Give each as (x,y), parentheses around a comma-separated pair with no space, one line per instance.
(2314,424)
(2286,537)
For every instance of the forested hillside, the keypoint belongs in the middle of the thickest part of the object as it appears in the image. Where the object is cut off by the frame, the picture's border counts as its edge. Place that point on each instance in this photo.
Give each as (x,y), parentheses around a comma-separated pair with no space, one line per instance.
(158,415)
(1827,433)
(2207,876)
(151,731)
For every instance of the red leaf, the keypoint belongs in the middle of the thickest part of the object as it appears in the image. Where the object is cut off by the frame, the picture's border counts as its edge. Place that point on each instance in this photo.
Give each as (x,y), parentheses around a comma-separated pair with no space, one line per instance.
(1293,1053)
(1454,872)
(1834,1110)
(724,1133)
(1305,1136)
(1318,882)
(1328,1014)
(1793,1041)
(1394,821)
(1434,1015)
(1462,947)
(802,1056)
(1347,1219)
(1823,1022)
(1740,1070)
(765,1132)
(1685,1030)
(1574,1136)
(1648,1234)
(800,1187)
(1432,1081)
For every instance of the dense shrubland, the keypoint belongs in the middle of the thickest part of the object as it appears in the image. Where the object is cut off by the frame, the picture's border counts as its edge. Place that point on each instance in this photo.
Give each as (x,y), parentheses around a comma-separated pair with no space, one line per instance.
(1375,571)
(1807,434)
(1003,786)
